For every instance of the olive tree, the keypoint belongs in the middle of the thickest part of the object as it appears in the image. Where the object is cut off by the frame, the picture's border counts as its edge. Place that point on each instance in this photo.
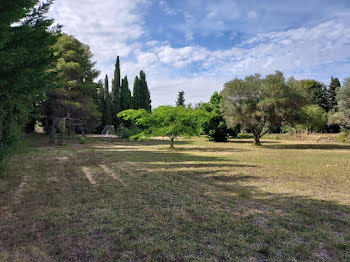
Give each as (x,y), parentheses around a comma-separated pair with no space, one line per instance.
(258,104)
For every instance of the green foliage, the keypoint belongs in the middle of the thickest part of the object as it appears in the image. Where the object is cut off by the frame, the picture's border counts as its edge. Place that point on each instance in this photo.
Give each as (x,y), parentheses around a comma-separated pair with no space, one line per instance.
(26,57)
(166,121)
(244,135)
(315,118)
(125,95)
(107,110)
(141,96)
(317,93)
(76,92)
(342,115)
(180,99)
(81,140)
(126,132)
(115,96)
(215,126)
(258,104)
(332,93)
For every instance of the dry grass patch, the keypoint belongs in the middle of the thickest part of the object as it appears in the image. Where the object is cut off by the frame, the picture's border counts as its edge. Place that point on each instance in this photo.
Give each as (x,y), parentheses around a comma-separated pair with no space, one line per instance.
(204,201)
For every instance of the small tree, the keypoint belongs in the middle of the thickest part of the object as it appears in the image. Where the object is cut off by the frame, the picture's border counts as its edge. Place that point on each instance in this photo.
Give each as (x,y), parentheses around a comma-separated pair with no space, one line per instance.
(258,104)
(180,99)
(166,121)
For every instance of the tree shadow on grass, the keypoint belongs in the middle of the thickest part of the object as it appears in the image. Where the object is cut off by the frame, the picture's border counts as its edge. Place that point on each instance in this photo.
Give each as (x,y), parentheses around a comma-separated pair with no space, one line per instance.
(251,141)
(128,142)
(309,146)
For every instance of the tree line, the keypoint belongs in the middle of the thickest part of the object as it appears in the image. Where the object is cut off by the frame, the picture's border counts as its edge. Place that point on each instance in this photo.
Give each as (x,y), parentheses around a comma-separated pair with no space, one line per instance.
(255,104)
(46,74)
(112,101)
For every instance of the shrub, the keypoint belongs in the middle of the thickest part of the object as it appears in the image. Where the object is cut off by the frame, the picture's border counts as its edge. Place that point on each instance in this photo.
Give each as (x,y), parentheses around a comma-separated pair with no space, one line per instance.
(127,132)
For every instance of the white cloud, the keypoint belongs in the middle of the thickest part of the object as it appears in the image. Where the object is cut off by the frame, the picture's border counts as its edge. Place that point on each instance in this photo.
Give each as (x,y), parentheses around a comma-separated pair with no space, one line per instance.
(114,28)
(252,14)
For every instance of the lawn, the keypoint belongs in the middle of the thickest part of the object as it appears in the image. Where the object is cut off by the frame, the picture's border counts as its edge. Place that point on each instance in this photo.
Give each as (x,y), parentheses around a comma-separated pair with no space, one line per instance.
(116,200)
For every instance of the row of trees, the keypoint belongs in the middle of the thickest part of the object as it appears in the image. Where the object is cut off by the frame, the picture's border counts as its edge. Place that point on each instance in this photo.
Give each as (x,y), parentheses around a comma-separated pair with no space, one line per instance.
(119,98)
(27,64)
(255,104)
(45,75)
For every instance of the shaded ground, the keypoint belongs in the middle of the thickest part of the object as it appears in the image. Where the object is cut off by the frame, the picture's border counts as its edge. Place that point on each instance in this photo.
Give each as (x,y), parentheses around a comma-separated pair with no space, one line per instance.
(115,200)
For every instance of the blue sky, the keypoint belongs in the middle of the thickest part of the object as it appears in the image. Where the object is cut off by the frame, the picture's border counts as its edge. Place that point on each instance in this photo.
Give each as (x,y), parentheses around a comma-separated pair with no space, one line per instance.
(198,45)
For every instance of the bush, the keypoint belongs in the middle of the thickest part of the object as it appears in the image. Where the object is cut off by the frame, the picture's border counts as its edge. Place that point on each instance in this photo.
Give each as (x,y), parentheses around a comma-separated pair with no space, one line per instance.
(126,132)
(244,135)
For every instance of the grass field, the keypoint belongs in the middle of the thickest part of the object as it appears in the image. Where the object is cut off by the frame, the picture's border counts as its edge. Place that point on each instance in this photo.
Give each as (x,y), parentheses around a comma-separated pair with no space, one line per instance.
(116,200)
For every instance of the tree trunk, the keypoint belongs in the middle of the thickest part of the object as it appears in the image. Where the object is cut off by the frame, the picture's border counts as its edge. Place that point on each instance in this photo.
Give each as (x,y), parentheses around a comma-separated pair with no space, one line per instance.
(172,143)
(256,139)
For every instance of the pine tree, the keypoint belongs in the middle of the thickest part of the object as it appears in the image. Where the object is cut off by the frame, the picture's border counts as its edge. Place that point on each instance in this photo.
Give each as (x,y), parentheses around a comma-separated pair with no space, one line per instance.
(332,92)
(125,95)
(136,94)
(145,101)
(180,99)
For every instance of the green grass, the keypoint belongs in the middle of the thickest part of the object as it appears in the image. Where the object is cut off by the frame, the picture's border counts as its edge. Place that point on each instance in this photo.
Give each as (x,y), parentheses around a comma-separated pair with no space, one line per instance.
(204,201)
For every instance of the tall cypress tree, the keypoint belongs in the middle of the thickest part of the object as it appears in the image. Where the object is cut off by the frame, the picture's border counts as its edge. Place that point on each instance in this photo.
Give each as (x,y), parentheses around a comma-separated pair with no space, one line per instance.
(116,91)
(332,92)
(108,110)
(145,101)
(136,94)
(125,95)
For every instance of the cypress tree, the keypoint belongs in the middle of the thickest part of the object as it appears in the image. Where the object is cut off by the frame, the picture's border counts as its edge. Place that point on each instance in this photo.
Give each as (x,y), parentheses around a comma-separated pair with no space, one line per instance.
(108,110)
(332,92)
(136,94)
(125,95)
(180,99)
(145,101)
(116,91)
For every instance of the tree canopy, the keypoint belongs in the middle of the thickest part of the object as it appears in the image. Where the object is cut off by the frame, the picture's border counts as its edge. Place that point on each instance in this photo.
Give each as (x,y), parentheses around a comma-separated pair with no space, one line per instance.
(215,126)
(257,104)
(26,61)
(76,89)
(166,121)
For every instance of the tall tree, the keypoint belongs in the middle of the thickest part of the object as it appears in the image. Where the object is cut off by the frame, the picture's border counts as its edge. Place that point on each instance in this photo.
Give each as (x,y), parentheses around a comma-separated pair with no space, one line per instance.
(116,90)
(145,94)
(125,95)
(76,73)
(107,117)
(26,63)
(332,92)
(317,92)
(258,104)
(180,99)
(215,125)
(136,94)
